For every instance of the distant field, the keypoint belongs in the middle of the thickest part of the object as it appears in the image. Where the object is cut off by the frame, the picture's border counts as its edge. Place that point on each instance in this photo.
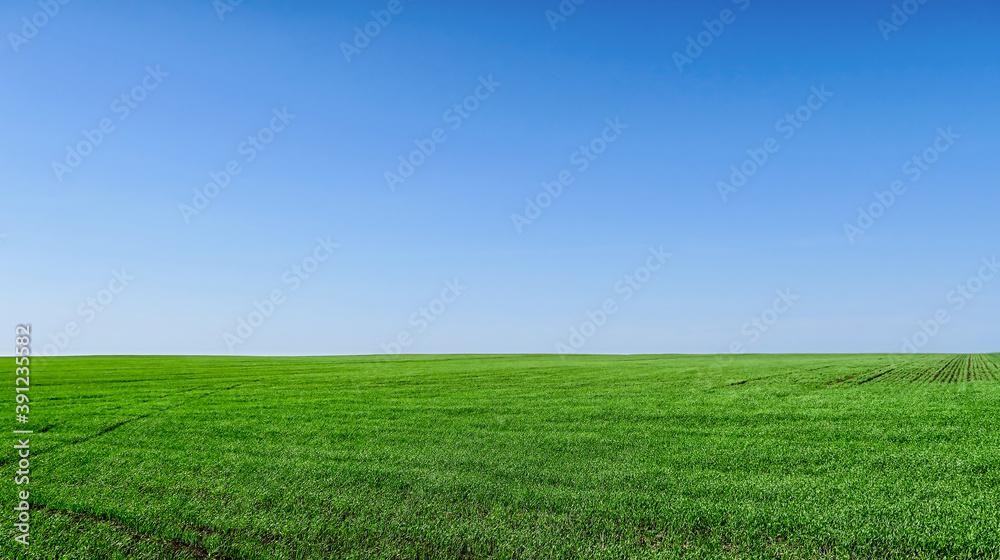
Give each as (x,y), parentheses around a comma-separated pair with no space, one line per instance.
(512,457)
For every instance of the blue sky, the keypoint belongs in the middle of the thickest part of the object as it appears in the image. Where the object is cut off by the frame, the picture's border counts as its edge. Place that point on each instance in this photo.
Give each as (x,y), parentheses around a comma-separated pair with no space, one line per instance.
(437,263)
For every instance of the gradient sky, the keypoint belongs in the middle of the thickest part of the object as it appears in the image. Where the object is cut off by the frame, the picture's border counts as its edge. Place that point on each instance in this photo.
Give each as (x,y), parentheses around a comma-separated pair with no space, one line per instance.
(656,185)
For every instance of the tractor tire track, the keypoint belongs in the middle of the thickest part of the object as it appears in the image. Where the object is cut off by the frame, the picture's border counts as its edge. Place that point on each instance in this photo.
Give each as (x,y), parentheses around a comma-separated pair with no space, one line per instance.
(172,545)
(115,426)
(927,371)
(943,372)
(991,367)
(877,375)
(745,381)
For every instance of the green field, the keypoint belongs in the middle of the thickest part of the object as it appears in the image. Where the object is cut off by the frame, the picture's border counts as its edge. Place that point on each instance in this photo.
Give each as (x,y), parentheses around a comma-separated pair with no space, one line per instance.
(526,457)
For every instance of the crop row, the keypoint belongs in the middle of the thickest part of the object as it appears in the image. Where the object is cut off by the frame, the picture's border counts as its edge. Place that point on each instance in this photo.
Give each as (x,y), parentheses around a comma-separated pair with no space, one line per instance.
(959,368)
(930,369)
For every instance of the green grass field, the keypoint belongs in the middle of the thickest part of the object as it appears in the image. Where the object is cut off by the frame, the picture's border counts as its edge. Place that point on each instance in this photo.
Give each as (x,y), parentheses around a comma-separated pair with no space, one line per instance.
(526,457)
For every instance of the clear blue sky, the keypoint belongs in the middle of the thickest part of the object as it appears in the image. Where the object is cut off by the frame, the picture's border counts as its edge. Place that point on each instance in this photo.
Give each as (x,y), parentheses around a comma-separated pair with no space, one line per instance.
(208,83)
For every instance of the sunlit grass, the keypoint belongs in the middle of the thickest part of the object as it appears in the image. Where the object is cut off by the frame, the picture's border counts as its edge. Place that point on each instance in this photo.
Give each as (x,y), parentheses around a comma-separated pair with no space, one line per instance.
(466,457)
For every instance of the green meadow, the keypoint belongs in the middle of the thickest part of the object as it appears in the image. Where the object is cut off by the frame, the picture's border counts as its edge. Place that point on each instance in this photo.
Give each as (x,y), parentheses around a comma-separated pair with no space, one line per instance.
(510,457)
